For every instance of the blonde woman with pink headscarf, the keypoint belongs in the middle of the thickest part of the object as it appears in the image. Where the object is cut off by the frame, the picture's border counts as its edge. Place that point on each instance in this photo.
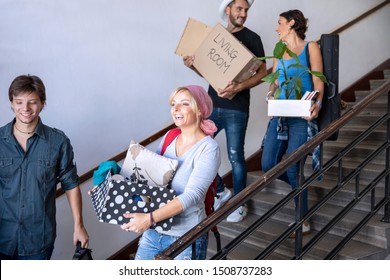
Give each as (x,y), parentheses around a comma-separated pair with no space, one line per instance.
(199,159)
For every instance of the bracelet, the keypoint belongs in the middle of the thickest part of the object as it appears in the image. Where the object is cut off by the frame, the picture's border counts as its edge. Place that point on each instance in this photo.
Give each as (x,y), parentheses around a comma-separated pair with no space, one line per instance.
(152,222)
(319,103)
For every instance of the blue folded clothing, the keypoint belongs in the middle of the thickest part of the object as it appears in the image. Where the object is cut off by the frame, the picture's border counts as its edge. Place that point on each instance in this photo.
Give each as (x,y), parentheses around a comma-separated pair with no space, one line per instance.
(100,174)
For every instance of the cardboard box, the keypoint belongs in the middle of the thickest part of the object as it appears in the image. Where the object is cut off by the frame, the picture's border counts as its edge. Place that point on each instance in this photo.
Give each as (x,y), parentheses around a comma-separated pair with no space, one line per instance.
(219,56)
(289,108)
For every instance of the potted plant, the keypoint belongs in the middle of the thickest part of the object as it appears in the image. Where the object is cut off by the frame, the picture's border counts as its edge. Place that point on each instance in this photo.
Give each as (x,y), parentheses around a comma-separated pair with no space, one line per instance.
(291,83)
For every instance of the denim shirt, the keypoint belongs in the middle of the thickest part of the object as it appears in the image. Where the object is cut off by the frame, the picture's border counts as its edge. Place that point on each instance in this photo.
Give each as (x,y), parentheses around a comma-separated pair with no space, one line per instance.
(28,183)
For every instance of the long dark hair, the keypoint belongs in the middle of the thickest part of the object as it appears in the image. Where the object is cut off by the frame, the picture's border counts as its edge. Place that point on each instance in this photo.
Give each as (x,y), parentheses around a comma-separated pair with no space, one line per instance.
(300,25)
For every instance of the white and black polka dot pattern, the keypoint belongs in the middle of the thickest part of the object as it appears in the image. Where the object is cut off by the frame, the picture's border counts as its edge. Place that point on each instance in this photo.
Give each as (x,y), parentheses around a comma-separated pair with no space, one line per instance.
(99,195)
(113,198)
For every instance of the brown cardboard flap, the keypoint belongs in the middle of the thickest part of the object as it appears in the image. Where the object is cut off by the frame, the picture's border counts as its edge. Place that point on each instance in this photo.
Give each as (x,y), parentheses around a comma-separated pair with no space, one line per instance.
(193,35)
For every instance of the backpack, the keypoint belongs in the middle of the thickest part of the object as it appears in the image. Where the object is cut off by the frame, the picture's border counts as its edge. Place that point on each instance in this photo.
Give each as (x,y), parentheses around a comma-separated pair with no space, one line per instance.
(331,102)
(210,195)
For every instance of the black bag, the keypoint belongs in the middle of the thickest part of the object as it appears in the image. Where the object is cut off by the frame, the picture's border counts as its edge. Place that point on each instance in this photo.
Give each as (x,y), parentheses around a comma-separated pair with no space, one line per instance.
(331,102)
(82,253)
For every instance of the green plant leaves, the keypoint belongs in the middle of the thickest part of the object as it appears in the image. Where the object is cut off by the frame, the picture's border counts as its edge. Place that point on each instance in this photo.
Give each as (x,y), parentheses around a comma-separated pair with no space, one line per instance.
(280,49)
(297,87)
(291,83)
(271,78)
(293,55)
(277,93)
(265,57)
(297,65)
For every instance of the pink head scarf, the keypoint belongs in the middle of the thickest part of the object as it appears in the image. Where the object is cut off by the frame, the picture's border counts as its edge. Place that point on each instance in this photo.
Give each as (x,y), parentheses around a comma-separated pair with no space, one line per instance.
(205,105)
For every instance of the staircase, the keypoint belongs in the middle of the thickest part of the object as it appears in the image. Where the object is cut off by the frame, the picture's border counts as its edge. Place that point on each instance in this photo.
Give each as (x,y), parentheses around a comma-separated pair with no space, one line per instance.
(372,242)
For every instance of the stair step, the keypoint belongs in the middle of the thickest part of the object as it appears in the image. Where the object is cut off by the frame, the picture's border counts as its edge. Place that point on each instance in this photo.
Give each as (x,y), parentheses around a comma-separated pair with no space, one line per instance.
(367,144)
(350,133)
(386,73)
(261,237)
(374,233)
(347,193)
(364,121)
(370,171)
(357,154)
(372,240)
(374,84)
(267,233)
(380,102)
(268,197)
(244,252)
(375,167)
(355,126)
(360,94)
(319,189)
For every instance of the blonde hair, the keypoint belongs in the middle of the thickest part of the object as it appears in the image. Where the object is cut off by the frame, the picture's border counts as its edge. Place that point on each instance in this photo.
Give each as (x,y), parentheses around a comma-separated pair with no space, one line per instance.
(200,102)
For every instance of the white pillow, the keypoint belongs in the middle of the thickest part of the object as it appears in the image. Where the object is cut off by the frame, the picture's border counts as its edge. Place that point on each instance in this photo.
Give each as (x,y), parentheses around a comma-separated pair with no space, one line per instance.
(143,166)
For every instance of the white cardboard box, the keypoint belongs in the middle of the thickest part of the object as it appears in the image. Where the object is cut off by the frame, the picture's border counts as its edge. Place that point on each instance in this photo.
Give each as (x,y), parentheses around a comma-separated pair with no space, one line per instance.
(289,108)
(219,56)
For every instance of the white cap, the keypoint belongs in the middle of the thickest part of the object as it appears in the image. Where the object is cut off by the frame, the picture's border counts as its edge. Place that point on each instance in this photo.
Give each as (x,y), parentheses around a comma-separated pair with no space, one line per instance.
(224,4)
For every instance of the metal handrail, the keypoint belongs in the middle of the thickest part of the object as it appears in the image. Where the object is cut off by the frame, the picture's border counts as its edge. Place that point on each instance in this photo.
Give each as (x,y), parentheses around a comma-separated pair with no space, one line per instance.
(245,195)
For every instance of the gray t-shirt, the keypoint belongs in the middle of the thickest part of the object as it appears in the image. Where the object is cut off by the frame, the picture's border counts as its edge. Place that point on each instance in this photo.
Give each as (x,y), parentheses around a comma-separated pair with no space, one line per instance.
(196,171)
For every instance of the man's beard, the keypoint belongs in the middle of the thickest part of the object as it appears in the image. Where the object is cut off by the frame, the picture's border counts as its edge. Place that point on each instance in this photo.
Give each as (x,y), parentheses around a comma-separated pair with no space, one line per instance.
(235,22)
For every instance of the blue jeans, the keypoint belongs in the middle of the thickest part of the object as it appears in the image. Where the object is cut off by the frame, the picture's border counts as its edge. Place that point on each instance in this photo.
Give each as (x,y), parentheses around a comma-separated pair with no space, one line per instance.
(46,255)
(274,149)
(235,123)
(152,243)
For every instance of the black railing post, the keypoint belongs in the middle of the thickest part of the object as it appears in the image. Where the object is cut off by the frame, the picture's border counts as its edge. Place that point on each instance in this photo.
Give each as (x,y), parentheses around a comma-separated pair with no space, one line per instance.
(299,206)
(386,217)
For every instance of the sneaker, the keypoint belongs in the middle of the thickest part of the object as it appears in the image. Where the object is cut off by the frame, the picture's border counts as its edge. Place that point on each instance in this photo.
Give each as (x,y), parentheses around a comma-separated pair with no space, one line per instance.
(238,215)
(305,230)
(221,198)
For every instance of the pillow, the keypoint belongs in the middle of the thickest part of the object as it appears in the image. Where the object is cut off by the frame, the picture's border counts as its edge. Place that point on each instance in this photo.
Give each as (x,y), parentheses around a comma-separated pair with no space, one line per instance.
(143,166)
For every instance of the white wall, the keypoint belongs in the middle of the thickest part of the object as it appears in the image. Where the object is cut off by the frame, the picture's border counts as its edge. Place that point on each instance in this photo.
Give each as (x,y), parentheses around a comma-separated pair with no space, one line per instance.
(109,67)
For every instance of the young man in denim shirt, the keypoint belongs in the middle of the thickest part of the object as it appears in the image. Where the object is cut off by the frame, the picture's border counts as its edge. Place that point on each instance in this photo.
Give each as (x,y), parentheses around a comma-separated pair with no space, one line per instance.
(34,158)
